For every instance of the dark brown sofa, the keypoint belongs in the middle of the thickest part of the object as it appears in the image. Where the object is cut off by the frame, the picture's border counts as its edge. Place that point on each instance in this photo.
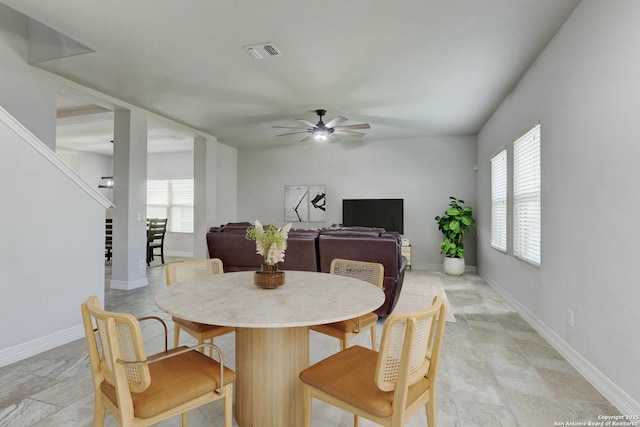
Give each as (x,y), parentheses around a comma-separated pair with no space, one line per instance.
(313,250)
(371,245)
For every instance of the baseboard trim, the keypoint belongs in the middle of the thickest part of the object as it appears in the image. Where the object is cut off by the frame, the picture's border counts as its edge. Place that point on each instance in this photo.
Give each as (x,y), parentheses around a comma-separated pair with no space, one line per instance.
(127,285)
(179,254)
(468,269)
(614,394)
(36,346)
(426,267)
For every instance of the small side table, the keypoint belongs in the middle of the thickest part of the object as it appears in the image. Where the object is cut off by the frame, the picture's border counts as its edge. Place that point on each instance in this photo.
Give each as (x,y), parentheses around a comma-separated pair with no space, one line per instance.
(406,252)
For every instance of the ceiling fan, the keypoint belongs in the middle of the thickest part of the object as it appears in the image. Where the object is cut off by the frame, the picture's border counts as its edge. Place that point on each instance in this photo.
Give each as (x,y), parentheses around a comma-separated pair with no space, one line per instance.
(325,131)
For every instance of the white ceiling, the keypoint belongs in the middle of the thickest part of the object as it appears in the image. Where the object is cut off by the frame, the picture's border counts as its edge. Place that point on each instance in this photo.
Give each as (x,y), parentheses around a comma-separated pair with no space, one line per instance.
(410,68)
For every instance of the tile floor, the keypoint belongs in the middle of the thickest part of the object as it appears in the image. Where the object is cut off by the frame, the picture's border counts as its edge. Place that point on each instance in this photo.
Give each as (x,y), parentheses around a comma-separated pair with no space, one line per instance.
(495,371)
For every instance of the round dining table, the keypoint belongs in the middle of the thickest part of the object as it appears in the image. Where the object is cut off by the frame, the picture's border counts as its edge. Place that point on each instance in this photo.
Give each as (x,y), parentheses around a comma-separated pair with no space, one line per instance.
(272,335)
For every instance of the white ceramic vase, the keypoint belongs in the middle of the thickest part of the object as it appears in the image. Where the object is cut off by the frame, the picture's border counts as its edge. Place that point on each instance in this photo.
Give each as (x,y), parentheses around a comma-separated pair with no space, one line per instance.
(454,266)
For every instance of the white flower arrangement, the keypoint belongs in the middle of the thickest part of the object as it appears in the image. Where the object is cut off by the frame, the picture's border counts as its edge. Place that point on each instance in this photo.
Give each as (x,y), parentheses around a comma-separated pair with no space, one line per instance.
(271,242)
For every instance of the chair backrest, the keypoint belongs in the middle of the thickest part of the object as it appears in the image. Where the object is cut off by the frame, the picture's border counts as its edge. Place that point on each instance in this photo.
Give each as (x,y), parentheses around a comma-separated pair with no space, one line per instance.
(108,232)
(185,270)
(156,228)
(371,272)
(119,337)
(410,347)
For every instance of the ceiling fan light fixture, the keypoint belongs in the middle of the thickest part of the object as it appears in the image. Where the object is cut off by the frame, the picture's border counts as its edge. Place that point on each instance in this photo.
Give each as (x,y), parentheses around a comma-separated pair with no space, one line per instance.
(320,136)
(322,131)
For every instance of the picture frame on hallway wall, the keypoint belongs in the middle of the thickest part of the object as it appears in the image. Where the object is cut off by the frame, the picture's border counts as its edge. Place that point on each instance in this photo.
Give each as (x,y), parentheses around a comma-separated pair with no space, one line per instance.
(304,203)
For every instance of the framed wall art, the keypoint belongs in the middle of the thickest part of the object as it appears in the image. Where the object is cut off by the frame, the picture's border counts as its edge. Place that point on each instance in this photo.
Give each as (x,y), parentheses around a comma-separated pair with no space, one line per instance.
(304,203)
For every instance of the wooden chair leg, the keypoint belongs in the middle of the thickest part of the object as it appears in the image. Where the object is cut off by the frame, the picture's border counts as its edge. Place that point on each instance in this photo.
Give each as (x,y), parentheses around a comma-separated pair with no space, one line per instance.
(373,337)
(211,348)
(307,406)
(201,340)
(430,408)
(176,335)
(185,419)
(228,405)
(99,411)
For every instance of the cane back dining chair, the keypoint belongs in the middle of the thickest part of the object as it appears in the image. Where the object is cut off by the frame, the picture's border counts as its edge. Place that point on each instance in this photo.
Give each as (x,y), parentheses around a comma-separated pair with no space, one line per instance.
(371,272)
(387,387)
(141,390)
(179,271)
(156,230)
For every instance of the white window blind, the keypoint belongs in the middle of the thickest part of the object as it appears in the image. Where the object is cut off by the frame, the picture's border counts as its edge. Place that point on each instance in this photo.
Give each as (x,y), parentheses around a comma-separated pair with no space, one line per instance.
(172,199)
(526,197)
(499,201)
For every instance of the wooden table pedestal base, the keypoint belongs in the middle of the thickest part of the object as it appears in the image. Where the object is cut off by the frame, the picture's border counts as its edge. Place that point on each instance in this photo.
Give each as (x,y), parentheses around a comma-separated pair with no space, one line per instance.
(268,390)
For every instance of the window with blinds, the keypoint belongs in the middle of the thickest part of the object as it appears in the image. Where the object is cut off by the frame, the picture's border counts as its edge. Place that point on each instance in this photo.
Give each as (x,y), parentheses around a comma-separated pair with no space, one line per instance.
(499,201)
(526,197)
(172,199)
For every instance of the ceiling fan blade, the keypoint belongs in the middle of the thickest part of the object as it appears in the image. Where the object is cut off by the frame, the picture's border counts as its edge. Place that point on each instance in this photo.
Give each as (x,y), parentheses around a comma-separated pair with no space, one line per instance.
(358,126)
(292,133)
(306,138)
(288,127)
(347,132)
(307,122)
(336,121)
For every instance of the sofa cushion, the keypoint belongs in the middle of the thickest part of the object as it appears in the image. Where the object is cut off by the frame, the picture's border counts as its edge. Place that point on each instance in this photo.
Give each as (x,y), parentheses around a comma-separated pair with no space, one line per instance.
(238,229)
(302,251)
(311,233)
(235,251)
(352,232)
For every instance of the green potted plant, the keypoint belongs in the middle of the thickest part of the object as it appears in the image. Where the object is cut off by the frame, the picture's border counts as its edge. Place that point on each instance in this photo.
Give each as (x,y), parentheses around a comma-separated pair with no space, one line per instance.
(454,224)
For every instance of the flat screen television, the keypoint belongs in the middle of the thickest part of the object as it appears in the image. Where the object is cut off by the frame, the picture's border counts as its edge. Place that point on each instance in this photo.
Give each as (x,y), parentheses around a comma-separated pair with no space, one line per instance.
(385,213)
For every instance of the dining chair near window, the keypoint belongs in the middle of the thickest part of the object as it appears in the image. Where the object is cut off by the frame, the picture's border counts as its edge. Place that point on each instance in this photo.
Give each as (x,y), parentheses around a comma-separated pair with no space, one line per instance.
(156,230)
(387,387)
(108,238)
(141,390)
(371,272)
(179,271)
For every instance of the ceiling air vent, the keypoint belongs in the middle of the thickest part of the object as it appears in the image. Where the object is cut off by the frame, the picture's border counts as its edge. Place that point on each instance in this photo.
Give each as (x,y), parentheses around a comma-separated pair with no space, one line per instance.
(263,50)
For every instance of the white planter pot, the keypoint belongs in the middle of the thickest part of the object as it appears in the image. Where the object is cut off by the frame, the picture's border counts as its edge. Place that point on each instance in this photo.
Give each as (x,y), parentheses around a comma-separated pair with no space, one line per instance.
(454,266)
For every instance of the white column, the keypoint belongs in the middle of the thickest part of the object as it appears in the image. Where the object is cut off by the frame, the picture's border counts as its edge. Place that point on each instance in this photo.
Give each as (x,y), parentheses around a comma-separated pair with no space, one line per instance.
(130,197)
(205,154)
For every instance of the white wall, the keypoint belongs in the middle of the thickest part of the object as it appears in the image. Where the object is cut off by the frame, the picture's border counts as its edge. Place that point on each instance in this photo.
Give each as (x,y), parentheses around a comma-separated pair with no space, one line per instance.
(424,172)
(25,95)
(170,165)
(584,89)
(51,253)
(53,233)
(227,188)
